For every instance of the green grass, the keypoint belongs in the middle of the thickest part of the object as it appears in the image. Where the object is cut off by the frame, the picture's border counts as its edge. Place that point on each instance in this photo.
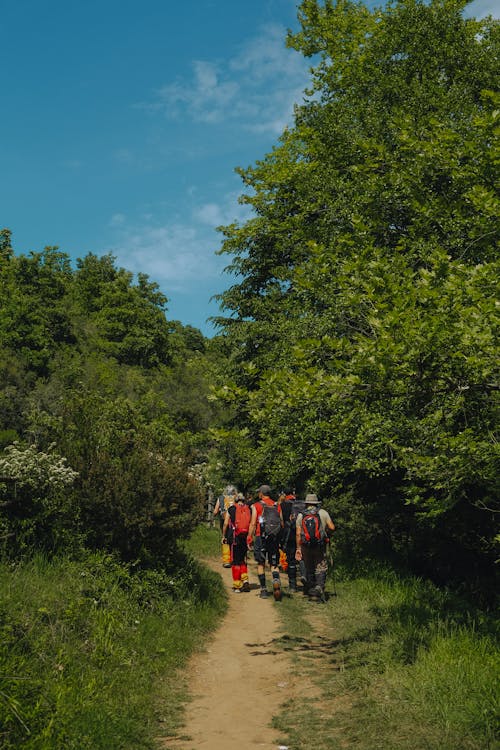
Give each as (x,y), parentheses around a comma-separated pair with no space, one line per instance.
(398,665)
(89,651)
(204,542)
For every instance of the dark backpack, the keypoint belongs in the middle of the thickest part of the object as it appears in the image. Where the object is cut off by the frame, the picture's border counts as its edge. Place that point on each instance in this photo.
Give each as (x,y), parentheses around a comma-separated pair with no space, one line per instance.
(271,521)
(298,507)
(242,518)
(311,532)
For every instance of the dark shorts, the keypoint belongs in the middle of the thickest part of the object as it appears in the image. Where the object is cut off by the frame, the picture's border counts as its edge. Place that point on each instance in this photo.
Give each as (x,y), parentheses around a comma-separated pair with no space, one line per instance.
(240,549)
(266,549)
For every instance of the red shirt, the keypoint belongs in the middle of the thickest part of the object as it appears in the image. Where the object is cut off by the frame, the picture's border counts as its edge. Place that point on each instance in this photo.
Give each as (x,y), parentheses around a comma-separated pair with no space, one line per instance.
(258,507)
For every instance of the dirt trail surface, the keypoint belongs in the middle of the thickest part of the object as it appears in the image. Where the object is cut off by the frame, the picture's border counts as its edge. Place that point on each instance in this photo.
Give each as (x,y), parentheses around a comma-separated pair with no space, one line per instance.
(241,679)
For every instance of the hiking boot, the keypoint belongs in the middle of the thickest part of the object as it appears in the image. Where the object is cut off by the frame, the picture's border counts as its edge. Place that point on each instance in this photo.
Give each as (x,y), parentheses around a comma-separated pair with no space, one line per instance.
(277,590)
(246,586)
(315,594)
(292,588)
(237,591)
(264,594)
(227,565)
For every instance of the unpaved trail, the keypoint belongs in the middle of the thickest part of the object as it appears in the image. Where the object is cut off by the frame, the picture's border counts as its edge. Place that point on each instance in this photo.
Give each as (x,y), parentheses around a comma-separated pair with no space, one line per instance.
(239,682)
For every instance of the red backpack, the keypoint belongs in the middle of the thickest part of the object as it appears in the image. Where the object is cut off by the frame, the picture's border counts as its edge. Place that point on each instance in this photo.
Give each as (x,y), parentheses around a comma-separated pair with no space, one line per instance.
(312,532)
(242,519)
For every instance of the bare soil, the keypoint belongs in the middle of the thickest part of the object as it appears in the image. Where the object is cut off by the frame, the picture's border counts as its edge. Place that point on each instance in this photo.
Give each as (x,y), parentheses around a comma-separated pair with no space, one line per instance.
(242,678)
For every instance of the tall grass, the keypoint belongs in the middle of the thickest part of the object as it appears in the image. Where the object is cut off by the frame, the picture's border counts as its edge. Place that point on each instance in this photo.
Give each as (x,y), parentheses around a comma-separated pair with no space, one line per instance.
(89,650)
(406,667)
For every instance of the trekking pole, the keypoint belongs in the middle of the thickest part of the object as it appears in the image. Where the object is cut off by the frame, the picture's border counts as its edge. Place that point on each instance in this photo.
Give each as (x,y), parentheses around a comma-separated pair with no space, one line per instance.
(332,566)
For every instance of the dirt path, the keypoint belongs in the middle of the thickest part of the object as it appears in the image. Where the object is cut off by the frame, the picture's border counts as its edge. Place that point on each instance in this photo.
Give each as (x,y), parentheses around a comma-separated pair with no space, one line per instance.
(240,681)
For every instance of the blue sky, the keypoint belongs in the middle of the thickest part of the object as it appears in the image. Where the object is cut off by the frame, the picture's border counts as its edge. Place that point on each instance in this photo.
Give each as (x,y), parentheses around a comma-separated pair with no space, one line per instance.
(122,123)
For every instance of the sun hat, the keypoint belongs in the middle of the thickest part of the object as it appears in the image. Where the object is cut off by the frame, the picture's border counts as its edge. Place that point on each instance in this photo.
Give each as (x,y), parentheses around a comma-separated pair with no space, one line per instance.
(312,500)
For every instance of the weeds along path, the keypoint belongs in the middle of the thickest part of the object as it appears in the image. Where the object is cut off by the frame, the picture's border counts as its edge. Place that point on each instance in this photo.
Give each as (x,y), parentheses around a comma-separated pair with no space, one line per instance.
(241,680)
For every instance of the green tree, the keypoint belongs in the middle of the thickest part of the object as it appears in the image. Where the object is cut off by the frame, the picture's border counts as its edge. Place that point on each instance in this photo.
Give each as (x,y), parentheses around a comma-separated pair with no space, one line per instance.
(362,328)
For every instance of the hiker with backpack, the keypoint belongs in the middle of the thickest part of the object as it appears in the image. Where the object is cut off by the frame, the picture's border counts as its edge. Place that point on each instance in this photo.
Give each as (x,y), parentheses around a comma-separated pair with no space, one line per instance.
(266,524)
(224,502)
(237,520)
(313,530)
(290,509)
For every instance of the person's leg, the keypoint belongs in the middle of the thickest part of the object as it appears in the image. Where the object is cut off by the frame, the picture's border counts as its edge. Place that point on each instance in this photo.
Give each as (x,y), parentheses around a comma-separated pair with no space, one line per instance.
(239,559)
(236,572)
(320,572)
(273,557)
(316,573)
(292,566)
(259,556)
(309,567)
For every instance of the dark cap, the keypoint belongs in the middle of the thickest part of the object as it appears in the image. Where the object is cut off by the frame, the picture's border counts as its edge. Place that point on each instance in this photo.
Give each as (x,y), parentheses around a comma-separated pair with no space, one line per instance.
(265,489)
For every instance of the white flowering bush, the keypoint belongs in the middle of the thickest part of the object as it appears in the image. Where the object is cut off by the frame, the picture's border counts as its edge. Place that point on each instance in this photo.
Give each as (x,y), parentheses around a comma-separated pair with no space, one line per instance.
(38,508)
(29,467)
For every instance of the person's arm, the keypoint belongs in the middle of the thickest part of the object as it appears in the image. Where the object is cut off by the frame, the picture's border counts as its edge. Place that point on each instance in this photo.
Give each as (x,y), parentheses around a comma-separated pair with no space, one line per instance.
(298,538)
(217,506)
(330,526)
(253,524)
(224,528)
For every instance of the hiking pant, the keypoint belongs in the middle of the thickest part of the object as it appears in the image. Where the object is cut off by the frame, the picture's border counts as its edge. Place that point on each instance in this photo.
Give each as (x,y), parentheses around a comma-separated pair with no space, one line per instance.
(227,548)
(316,566)
(239,565)
(266,548)
(290,550)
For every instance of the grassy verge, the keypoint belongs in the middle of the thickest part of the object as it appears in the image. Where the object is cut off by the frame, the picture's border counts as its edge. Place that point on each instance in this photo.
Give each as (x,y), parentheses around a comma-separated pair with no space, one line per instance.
(397,665)
(89,651)
(204,542)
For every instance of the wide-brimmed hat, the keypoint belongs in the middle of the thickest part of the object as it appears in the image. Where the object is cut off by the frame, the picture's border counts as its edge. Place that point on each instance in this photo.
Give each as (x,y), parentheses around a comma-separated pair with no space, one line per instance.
(312,500)
(265,489)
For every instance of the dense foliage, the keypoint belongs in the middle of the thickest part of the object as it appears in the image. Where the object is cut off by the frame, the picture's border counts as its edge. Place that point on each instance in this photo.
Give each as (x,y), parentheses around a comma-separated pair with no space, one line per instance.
(362,329)
(103,409)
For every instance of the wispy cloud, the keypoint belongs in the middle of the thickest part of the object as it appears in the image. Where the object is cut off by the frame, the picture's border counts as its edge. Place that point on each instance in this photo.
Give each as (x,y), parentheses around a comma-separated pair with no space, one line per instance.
(482,8)
(219,214)
(175,254)
(257,87)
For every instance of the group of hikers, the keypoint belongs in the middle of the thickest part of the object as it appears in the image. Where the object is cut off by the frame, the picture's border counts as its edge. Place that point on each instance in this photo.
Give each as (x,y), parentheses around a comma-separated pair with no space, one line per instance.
(285,534)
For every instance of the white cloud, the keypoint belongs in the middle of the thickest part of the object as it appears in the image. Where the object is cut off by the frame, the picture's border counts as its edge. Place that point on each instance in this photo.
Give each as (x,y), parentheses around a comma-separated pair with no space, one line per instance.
(117,220)
(176,254)
(257,87)
(207,98)
(482,8)
(220,214)
(210,214)
(173,255)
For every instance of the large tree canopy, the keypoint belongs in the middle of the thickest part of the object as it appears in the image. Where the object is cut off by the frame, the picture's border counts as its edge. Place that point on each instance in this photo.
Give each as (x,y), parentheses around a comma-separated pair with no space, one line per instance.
(93,373)
(361,335)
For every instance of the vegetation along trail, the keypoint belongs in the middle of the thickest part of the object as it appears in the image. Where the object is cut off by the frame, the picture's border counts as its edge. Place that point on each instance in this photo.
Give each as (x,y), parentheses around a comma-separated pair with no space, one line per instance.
(240,681)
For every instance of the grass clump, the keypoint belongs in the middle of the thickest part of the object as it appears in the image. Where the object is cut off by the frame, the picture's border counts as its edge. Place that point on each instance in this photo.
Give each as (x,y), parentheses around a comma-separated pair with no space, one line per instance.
(398,665)
(89,649)
(204,542)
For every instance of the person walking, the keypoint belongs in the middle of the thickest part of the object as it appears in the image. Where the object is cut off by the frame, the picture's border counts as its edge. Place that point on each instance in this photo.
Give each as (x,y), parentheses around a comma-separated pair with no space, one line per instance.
(266,524)
(288,543)
(224,502)
(313,530)
(238,519)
